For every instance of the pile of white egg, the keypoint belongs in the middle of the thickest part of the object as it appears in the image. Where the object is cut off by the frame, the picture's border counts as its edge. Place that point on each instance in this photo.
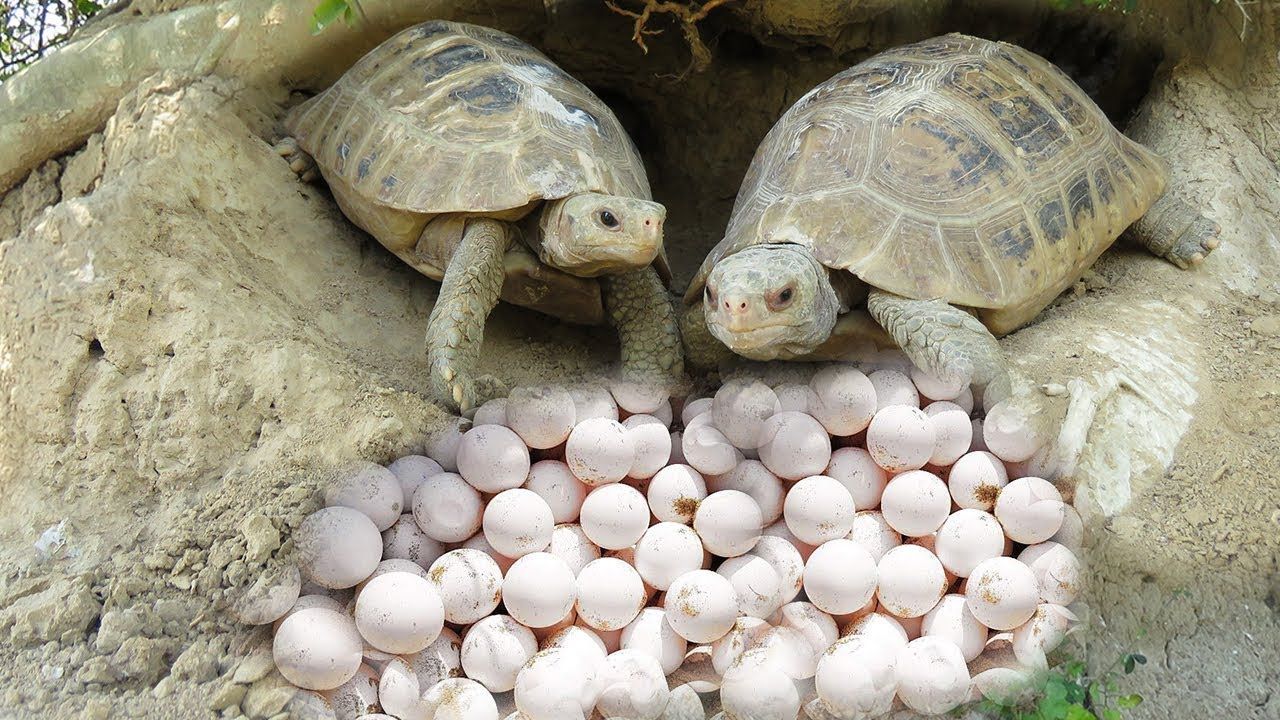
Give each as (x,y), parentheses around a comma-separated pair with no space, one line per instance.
(839,549)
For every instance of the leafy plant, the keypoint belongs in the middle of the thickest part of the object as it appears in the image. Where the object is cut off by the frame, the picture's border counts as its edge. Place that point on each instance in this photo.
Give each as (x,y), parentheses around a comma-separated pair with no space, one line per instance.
(330,11)
(31,28)
(1070,692)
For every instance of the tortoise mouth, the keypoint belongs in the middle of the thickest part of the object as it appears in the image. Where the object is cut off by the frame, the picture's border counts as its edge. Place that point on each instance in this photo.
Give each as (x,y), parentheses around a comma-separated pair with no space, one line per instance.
(759,342)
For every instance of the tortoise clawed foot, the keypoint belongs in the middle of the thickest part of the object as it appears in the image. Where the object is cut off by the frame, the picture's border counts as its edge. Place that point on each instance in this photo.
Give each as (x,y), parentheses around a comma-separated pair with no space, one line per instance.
(488,387)
(459,392)
(302,164)
(1195,244)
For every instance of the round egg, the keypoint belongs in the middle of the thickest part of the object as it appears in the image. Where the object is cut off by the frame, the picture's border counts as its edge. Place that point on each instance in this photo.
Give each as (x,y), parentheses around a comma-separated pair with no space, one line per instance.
(707,449)
(728,522)
(518,522)
(754,479)
(760,691)
(740,409)
(459,699)
(893,387)
(412,471)
(442,445)
(701,606)
(756,582)
(932,676)
(1071,534)
(952,432)
(478,542)
(936,388)
(747,632)
(493,412)
(354,697)
(571,544)
(854,468)
(652,442)
(912,581)
(469,583)
(779,530)
(1040,635)
(317,649)
(399,613)
(308,601)
(855,677)
(492,458)
(495,649)
(976,479)
(815,626)
(1030,509)
(964,400)
(539,590)
(951,620)
(840,576)
(555,685)
(1009,432)
(795,398)
(1002,593)
(675,492)
(818,509)
(555,484)
(600,451)
(593,402)
(338,547)
(614,516)
(1057,571)
(900,438)
(873,533)
(631,685)
(371,489)
(542,416)
(389,566)
(793,445)
(399,691)
(582,641)
(694,408)
(787,649)
(665,552)
(639,398)
(915,503)
(649,633)
(883,630)
(403,678)
(447,508)
(966,539)
(406,541)
(271,596)
(843,400)
(569,620)
(787,561)
(610,594)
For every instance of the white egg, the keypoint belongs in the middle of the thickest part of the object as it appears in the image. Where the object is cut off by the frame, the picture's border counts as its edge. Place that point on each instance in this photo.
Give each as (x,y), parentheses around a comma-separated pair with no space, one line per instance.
(756,582)
(593,402)
(952,432)
(1002,593)
(495,649)
(412,471)
(966,539)
(441,660)
(795,398)
(900,438)
(442,445)
(912,581)
(1057,571)
(649,633)
(399,692)
(459,699)
(701,606)
(932,676)
(600,451)
(976,479)
(371,489)
(541,416)
(1040,635)
(840,576)
(855,677)
(555,685)
(569,620)
(631,685)
(614,516)
(693,408)
(665,552)
(518,522)
(675,492)
(760,691)
(1030,509)
(652,443)
(915,503)
(610,594)
(317,649)
(780,530)
(872,532)
(754,479)
(787,561)
(936,388)
(338,547)
(883,630)
(355,697)
(663,414)
(399,612)
(492,458)
(787,649)
(1009,432)
(447,508)
(745,634)
(843,400)
(818,509)
(304,602)
(554,483)
(740,409)
(571,544)
(860,475)
(964,400)
(1071,534)
(638,398)
(817,627)
(493,412)
(728,522)
(539,590)
(478,542)
(406,541)
(585,642)
(794,445)
(469,583)
(893,387)
(951,620)
(707,449)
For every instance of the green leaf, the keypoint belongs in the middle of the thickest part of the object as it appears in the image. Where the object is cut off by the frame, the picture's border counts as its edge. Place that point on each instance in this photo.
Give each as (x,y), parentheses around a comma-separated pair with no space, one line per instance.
(1129,701)
(1076,712)
(1142,659)
(87,7)
(1128,664)
(1111,714)
(1075,693)
(328,12)
(1052,708)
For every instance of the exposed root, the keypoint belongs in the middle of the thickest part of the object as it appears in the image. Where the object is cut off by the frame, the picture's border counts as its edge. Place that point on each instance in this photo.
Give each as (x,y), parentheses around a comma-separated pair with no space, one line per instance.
(688,15)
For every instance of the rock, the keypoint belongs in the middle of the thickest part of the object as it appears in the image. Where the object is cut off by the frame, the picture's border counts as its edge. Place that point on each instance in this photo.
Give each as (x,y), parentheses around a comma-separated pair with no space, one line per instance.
(1266,325)
(97,670)
(164,688)
(267,697)
(260,537)
(256,666)
(144,659)
(83,169)
(96,708)
(118,626)
(197,663)
(66,607)
(227,696)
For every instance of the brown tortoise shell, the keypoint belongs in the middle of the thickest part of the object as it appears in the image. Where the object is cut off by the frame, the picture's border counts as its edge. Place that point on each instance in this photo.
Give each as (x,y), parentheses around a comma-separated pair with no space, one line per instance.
(954,168)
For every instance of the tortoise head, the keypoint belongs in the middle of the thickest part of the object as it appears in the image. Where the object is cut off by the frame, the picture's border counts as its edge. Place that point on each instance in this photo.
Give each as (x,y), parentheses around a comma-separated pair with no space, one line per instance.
(592,234)
(770,300)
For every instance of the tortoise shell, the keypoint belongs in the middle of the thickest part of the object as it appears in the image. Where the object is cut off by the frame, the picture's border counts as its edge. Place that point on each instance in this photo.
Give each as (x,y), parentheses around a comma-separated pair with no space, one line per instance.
(955,168)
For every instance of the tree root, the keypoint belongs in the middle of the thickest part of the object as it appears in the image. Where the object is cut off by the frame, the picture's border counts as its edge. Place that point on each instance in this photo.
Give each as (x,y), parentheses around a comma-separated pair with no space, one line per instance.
(688,15)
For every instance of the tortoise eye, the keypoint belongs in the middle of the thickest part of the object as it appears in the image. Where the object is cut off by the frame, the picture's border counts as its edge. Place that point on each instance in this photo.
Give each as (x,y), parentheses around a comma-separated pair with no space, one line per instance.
(785,295)
(710,295)
(607,219)
(781,299)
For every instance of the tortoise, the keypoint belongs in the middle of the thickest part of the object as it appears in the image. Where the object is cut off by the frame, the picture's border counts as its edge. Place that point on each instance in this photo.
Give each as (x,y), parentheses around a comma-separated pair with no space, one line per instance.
(933,197)
(479,162)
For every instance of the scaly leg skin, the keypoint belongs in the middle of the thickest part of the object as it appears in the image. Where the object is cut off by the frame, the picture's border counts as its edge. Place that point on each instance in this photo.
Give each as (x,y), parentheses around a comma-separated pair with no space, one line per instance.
(302,164)
(1175,231)
(701,349)
(640,308)
(455,331)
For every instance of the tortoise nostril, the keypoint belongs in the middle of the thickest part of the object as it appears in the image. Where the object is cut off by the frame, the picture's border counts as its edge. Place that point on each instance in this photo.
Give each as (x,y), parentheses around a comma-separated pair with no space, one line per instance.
(743,306)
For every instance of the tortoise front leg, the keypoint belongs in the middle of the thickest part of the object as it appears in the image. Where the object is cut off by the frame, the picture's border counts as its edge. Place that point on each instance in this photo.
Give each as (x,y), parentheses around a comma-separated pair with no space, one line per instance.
(302,164)
(1177,232)
(470,289)
(640,308)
